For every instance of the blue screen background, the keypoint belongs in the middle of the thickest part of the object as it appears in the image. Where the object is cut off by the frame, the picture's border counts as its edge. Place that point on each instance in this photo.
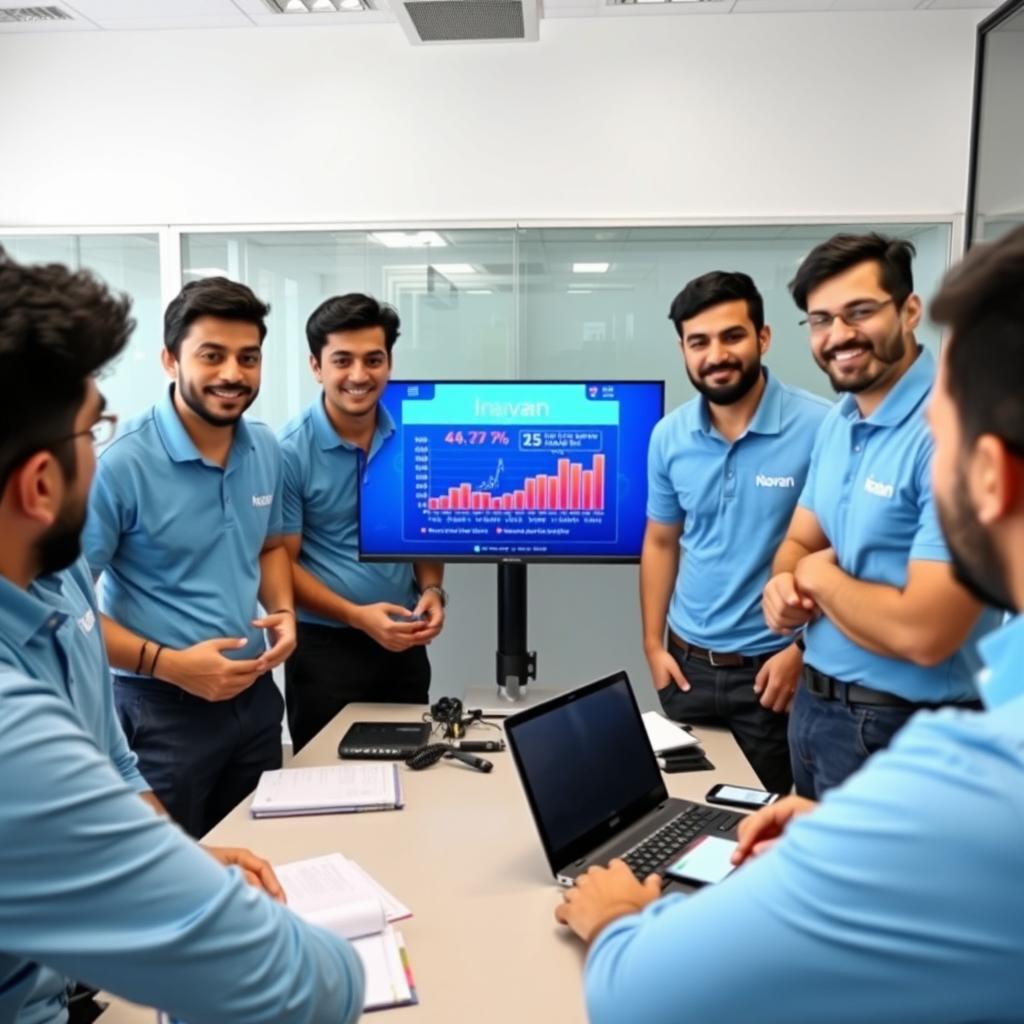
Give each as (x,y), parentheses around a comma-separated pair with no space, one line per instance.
(472,441)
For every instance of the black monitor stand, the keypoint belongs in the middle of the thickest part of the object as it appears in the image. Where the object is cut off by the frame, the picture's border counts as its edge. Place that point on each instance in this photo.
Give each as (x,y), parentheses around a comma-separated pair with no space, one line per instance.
(515,666)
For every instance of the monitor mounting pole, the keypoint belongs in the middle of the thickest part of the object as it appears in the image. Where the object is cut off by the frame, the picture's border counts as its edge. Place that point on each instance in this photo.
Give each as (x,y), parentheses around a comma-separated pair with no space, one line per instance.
(514,664)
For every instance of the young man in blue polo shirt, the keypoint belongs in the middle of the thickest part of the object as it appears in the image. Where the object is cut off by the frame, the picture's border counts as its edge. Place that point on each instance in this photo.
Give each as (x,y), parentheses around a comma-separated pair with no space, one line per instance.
(185,527)
(93,884)
(724,473)
(363,626)
(899,898)
(889,630)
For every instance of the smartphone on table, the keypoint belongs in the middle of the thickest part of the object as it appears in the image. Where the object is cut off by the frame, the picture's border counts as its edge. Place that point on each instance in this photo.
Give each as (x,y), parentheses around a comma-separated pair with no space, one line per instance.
(741,796)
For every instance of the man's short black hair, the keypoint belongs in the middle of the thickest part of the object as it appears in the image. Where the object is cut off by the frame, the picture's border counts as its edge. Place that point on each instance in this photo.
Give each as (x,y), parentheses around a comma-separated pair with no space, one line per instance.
(351,312)
(58,327)
(712,289)
(982,302)
(211,296)
(894,257)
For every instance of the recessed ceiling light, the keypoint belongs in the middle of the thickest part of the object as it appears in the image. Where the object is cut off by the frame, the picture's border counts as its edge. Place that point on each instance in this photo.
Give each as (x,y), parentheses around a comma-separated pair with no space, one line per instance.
(578,291)
(455,268)
(351,5)
(295,7)
(479,291)
(409,239)
(590,268)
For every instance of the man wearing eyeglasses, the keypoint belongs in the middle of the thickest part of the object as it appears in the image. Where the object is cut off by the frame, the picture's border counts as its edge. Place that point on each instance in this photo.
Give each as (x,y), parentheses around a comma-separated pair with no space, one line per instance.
(184,531)
(864,569)
(93,884)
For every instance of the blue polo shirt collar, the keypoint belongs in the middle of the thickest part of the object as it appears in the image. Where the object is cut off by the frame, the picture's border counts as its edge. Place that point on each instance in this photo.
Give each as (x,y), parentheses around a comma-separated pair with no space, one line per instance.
(1001,680)
(23,615)
(904,399)
(767,417)
(180,447)
(327,437)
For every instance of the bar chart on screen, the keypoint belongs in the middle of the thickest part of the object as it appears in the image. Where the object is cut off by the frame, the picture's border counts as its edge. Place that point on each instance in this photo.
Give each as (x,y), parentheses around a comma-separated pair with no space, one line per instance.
(515,480)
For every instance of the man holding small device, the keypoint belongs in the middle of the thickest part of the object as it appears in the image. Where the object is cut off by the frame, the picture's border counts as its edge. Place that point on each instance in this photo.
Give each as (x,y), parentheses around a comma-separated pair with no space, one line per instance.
(899,898)
(363,626)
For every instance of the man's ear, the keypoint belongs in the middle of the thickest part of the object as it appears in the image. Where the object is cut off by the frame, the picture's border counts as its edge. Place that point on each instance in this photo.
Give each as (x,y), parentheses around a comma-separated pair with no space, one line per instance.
(169,363)
(764,339)
(36,489)
(912,311)
(994,480)
(314,365)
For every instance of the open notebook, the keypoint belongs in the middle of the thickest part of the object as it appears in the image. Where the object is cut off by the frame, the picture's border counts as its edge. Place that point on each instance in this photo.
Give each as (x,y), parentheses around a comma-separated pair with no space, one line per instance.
(339,896)
(334,789)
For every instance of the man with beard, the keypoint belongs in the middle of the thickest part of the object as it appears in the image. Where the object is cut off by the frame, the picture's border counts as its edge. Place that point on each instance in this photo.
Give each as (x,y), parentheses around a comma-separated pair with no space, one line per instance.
(863,565)
(185,527)
(93,884)
(898,899)
(363,627)
(724,472)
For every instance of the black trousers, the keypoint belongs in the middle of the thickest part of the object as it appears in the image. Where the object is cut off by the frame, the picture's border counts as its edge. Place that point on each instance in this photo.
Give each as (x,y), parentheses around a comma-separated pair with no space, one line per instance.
(201,757)
(335,665)
(725,696)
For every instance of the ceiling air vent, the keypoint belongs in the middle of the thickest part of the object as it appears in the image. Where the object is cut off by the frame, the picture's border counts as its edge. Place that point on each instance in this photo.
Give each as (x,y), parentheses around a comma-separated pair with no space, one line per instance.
(26,14)
(467,21)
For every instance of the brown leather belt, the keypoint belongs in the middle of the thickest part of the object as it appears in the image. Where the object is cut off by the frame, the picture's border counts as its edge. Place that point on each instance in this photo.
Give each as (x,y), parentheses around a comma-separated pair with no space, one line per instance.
(717,659)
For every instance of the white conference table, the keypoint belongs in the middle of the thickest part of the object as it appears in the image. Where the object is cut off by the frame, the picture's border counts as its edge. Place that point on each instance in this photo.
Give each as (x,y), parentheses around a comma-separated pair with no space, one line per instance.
(465,857)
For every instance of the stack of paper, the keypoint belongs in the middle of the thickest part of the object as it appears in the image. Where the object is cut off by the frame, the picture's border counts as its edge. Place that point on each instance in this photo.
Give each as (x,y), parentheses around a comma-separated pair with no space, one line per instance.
(338,895)
(664,735)
(337,789)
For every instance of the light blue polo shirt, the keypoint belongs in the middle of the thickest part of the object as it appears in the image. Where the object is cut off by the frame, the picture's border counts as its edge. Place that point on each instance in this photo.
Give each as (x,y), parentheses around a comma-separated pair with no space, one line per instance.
(898,899)
(178,538)
(735,502)
(51,633)
(321,482)
(870,488)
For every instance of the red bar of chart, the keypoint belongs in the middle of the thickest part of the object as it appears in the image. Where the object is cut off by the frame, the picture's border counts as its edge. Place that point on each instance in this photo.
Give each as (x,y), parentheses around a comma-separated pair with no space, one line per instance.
(575,488)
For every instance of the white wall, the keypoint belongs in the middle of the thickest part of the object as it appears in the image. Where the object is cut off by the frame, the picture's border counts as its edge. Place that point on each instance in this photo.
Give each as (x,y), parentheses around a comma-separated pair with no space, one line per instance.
(661,117)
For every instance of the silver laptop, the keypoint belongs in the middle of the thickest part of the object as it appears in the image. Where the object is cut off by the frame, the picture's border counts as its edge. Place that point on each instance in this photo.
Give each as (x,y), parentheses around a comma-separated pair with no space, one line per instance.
(595,789)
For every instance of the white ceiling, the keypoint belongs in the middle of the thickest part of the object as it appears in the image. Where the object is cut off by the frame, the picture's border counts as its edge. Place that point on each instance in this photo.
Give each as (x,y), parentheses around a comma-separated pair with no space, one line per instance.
(121,15)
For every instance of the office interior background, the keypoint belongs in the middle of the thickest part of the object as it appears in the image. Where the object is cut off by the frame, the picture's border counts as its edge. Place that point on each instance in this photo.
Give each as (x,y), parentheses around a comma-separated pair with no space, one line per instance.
(530,208)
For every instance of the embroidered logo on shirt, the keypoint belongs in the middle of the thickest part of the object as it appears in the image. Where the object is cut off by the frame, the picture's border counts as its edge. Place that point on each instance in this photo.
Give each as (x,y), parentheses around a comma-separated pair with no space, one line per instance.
(774,481)
(262,500)
(872,486)
(86,622)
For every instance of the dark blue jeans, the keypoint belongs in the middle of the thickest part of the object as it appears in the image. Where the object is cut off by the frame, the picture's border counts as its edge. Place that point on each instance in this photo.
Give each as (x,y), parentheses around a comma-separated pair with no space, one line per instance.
(200,757)
(830,739)
(725,696)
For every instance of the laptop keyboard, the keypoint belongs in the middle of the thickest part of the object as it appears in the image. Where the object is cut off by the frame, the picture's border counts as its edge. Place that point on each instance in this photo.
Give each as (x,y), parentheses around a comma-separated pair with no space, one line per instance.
(678,832)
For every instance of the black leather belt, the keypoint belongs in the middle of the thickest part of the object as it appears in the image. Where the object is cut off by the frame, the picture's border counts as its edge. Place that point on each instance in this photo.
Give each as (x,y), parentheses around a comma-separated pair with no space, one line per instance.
(717,659)
(830,688)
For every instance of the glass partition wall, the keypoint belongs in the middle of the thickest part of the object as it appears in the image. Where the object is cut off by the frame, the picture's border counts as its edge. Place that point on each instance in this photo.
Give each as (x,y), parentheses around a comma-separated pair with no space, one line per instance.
(503,302)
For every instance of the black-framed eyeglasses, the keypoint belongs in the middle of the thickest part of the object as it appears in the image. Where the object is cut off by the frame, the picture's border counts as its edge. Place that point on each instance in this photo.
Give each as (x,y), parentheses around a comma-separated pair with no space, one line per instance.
(101,432)
(853,315)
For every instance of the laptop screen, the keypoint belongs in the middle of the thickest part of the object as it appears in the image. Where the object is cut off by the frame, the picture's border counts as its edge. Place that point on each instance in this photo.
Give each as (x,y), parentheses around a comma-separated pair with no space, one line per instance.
(586,765)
